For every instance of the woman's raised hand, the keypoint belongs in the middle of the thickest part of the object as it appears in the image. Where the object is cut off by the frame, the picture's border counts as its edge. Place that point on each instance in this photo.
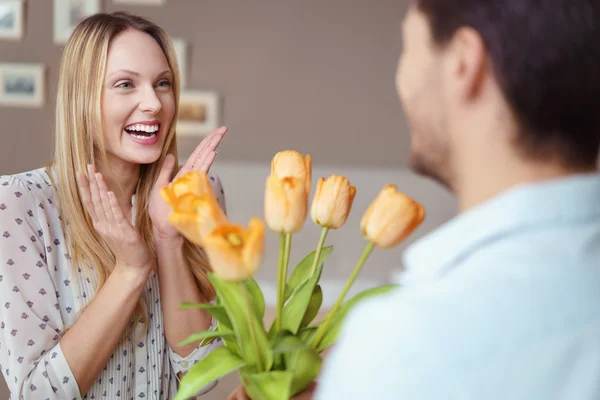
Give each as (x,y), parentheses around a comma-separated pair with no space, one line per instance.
(200,160)
(111,222)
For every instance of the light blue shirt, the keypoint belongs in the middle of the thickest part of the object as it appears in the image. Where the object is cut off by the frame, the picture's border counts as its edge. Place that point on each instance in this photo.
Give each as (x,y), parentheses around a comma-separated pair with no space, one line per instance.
(502,302)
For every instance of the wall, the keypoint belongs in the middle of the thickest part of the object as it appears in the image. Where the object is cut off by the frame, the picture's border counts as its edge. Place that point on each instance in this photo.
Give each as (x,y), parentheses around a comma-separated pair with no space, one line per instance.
(310,75)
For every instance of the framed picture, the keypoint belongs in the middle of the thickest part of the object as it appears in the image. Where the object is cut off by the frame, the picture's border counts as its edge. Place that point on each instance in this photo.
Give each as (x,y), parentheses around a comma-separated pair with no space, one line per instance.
(181,47)
(68,13)
(199,113)
(11,19)
(141,2)
(22,84)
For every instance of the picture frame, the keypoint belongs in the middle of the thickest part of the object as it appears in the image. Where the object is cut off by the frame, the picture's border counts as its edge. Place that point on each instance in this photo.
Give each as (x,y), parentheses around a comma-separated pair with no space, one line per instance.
(199,112)
(68,13)
(22,84)
(181,50)
(12,19)
(141,2)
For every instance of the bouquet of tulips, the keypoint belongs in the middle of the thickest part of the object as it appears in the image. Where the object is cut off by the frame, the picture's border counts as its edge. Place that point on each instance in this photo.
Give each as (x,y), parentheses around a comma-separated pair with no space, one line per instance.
(277,362)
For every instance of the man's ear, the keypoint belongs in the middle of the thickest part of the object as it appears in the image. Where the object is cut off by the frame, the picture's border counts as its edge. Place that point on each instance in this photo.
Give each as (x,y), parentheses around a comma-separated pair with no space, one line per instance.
(466,62)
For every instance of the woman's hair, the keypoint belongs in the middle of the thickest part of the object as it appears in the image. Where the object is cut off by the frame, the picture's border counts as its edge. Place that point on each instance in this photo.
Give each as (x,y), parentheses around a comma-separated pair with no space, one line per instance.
(79,141)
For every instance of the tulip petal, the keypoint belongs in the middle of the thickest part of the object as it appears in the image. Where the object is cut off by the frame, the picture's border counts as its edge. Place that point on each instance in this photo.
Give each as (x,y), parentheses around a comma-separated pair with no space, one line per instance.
(391,218)
(187,226)
(208,214)
(168,196)
(194,182)
(285,204)
(252,253)
(290,163)
(332,202)
(225,258)
(235,253)
(308,166)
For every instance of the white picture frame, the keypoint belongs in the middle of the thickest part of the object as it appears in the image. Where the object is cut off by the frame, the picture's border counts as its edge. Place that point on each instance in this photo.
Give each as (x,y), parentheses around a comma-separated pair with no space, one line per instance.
(22,84)
(181,49)
(12,20)
(68,13)
(199,112)
(141,2)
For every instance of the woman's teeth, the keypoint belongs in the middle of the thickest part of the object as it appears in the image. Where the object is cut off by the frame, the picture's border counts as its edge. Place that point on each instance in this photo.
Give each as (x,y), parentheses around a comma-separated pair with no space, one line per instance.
(142,131)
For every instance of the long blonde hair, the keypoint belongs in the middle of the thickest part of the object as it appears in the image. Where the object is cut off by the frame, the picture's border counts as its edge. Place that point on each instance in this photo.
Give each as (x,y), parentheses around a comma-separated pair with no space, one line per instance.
(79,138)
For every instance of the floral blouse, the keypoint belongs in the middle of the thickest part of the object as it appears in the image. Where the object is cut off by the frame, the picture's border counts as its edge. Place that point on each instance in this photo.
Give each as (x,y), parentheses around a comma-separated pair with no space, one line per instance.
(41,293)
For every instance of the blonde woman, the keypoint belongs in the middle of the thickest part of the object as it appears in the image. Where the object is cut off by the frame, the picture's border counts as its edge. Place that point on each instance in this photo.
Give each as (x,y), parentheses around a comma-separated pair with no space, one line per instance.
(91,272)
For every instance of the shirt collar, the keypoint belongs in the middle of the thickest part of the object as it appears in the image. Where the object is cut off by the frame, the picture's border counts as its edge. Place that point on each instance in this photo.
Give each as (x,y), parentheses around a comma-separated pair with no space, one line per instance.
(525,206)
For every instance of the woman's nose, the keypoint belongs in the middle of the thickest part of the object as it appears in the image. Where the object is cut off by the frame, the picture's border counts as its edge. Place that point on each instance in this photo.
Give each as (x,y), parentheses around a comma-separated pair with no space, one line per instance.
(149,102)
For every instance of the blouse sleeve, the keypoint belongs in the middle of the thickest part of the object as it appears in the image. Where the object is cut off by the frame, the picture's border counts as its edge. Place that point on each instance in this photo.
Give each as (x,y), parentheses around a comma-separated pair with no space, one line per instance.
(218,188)
(184,364)
(31,358)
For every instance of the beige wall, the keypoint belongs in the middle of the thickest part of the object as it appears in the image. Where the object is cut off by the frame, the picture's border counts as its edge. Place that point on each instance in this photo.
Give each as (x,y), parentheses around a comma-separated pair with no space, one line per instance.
(311,75)
(316,76)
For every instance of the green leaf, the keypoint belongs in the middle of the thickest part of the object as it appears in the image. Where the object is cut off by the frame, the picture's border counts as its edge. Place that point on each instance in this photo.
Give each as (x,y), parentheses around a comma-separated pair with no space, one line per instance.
(258,299)
(272,385)
(196,337)
(302,271)
(251,337)
(303,363)
(215,365)
(307,334)
(295,307)
(217,311)
(229,342)
(283,345)
(338,319)
(314,305)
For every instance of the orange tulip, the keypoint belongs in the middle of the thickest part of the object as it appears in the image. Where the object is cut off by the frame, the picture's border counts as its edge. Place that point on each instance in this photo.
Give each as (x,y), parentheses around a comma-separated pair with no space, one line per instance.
(290,163)
(286,204)
(235,253)
(195,210)
(194,182)
(332,202)
(391,218)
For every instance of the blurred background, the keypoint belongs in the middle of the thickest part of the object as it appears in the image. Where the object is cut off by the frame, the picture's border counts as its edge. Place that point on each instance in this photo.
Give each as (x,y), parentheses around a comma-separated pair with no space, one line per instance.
(314,76)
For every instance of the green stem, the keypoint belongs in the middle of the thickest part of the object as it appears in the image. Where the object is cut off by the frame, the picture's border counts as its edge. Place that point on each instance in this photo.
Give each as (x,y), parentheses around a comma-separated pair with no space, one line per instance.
(324,231)
(287,249)
(280,280)
(285,245)
(323,328)
(251,324)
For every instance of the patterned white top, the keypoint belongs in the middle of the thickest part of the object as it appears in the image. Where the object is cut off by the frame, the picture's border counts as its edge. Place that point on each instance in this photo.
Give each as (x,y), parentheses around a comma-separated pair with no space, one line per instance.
(41,293)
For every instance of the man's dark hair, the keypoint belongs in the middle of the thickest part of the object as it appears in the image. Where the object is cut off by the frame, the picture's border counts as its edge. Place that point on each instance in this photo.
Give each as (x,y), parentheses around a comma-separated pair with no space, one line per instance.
(546,58)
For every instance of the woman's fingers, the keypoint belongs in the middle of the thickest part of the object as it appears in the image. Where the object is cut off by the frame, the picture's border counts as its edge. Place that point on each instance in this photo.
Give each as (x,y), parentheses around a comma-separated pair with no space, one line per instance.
(95,193)
(206,147)
(103,192)
(86,197)
(120,218)
(205,163)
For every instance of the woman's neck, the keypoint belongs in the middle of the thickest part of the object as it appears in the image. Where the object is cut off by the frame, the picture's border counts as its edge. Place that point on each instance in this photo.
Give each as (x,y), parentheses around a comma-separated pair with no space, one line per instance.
(121,178)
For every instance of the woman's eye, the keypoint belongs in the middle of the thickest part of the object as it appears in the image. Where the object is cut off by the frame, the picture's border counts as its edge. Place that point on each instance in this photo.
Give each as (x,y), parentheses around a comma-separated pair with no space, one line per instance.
(164,83)
(124,85)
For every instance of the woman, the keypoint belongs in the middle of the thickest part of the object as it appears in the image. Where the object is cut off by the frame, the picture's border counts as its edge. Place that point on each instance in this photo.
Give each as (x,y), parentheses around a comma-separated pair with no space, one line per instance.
(91,272)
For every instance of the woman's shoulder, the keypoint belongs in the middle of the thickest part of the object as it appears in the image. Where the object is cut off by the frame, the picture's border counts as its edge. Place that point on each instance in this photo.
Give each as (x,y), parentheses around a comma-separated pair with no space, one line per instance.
(26,185)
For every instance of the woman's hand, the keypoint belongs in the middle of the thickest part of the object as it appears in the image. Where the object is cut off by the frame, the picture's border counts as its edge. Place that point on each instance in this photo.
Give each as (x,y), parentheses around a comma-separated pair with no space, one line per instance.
(200,160)
(111,223)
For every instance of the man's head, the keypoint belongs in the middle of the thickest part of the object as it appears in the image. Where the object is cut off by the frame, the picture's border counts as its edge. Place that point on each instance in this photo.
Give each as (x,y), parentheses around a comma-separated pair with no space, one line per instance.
(498,80)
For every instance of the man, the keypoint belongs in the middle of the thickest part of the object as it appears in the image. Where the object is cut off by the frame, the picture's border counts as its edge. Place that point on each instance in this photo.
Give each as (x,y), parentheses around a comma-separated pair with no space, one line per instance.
(503,302)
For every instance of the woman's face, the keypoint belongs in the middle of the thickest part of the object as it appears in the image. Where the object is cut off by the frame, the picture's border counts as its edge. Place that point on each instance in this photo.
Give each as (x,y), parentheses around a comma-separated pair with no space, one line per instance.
(138,103)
